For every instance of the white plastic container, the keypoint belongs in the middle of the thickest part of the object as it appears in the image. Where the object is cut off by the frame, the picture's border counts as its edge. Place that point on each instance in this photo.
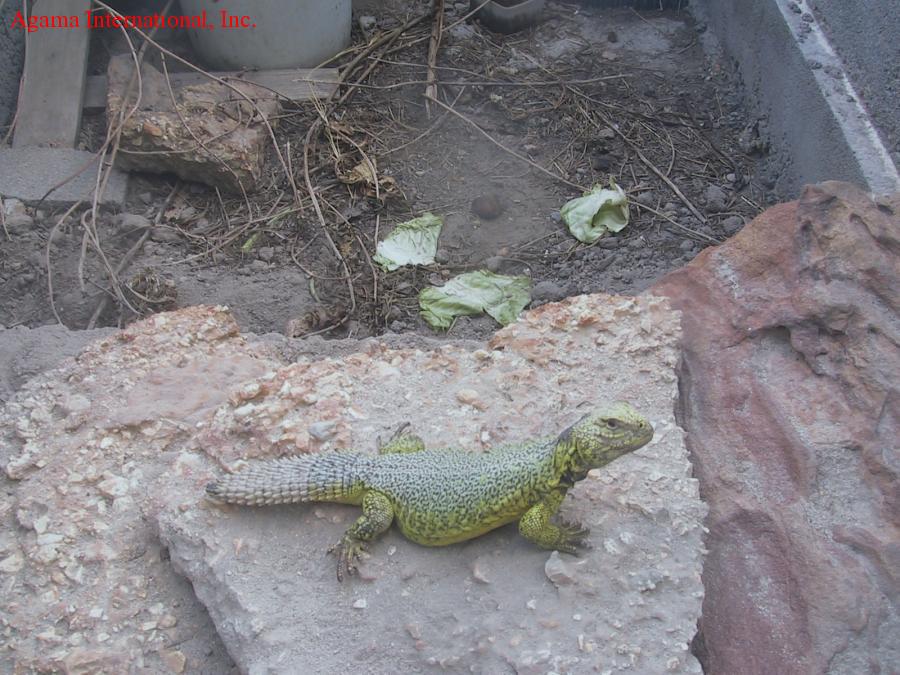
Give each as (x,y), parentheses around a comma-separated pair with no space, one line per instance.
(272,34)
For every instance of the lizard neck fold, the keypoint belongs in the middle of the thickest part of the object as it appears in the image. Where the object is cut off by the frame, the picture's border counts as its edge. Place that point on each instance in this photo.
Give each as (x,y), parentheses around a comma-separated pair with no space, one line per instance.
(564,460)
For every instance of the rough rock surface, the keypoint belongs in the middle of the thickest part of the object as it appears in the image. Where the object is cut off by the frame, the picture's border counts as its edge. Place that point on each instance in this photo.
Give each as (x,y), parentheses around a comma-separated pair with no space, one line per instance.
(490,604)
(126,435)
(790,398)
(87,587)
(207,133)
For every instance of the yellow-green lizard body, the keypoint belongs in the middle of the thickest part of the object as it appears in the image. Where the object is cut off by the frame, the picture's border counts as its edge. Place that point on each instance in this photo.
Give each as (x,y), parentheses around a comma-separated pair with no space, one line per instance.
(444,496)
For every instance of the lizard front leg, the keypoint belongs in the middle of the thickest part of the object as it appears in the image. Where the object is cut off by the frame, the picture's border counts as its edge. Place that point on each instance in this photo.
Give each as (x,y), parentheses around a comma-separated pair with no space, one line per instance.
(536,527)
(376,518)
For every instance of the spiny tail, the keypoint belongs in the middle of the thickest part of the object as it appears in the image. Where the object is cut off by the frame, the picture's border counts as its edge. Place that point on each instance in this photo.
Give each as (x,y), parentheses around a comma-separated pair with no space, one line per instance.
(325,477)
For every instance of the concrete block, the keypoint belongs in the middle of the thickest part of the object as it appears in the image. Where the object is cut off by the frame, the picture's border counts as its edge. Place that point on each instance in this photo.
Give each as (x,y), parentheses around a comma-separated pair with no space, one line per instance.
(27,173)
(818,123)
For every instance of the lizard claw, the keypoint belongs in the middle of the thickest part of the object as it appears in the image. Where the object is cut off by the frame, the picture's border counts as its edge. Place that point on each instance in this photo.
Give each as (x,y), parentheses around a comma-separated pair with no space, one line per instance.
(403,427)
(572,537)
(348,551)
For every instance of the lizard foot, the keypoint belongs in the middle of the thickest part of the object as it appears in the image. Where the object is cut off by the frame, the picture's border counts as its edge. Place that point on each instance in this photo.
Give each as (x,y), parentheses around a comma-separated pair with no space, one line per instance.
(348,551)
(572,537)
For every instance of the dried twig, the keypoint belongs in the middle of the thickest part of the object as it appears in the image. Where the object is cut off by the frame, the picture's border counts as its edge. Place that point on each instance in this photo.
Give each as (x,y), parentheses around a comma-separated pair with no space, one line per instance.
(315,128)
(126,259)
(47,264)
(437,123)
(650,165)
(686,230)
(500,145)
(434,43)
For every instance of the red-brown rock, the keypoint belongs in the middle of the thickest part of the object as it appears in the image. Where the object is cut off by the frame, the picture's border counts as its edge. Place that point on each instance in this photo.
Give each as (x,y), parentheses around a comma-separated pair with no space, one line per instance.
(790,394)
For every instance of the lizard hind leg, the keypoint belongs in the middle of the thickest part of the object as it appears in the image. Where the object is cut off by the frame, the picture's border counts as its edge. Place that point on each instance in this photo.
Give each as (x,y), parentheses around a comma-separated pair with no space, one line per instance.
(378,513)
(402,442)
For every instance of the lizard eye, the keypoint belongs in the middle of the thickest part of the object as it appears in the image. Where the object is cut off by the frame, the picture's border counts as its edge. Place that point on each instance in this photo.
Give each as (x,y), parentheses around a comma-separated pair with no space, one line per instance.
(612,424)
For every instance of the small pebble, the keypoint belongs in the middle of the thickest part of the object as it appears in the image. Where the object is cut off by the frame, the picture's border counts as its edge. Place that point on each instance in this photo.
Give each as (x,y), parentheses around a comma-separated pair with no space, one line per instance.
(175,660)
(601,162)
(715,198)
(646,198)
(471,397)
(19,223)
(547,291)
(732,224)
(494,263)
(12,207)
(132,221)
(559,571)
(478,572)
(164,235)
(488,207)
(367,23)
(322,431)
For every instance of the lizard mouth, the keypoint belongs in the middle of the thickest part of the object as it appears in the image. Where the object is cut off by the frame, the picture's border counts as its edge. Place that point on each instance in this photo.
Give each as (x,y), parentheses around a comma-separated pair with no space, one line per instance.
(644,437)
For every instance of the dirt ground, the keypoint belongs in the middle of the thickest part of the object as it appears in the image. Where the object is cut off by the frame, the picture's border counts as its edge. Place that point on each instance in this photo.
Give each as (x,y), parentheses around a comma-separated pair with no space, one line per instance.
(590,94)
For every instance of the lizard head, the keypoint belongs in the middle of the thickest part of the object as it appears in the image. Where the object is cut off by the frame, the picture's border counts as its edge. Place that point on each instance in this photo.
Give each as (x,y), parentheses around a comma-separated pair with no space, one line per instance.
(606,434)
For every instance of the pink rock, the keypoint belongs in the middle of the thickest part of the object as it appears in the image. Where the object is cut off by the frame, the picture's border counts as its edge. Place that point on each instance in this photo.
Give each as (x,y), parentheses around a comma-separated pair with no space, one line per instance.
(789,394)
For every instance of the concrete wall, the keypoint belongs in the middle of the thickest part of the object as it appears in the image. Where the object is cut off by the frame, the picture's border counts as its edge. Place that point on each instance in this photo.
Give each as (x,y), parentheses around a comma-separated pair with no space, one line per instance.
(866,35)
(12,56)
(819,129)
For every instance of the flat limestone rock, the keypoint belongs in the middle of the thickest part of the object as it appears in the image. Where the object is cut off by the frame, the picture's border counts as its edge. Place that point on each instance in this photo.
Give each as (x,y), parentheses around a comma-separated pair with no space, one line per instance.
(87,586)
(488,604)
(111,450)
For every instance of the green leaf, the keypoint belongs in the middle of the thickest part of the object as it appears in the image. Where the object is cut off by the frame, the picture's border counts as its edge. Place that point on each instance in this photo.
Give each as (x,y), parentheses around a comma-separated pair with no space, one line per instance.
(250,243)
(598,212)
(500,296)
(411,243)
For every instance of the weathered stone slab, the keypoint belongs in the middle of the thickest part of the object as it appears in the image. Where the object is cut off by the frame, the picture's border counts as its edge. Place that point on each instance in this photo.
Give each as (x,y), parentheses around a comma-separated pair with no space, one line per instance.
(294,84)
(488,604)
(49,111)
(87,586)
(28,173)
(792,407)
(128,433)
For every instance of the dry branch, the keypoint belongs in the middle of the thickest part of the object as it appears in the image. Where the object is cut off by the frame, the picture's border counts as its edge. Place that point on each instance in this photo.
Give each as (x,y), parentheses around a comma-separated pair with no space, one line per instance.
(434,44)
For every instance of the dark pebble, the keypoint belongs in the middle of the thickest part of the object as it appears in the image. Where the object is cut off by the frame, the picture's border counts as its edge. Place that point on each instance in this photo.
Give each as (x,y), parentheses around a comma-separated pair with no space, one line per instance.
(487,207)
